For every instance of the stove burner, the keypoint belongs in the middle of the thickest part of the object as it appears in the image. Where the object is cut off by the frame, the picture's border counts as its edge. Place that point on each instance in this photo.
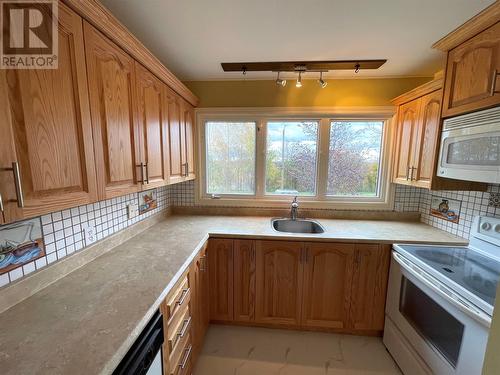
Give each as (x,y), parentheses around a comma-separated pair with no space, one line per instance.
(441,258)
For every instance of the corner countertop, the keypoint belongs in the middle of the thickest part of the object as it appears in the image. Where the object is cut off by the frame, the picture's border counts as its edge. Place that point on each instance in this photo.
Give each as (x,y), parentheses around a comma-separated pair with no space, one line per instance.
(85,322)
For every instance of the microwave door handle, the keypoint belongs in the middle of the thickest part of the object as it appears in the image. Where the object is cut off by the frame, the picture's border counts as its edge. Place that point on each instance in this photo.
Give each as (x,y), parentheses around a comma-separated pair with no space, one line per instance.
(476,314)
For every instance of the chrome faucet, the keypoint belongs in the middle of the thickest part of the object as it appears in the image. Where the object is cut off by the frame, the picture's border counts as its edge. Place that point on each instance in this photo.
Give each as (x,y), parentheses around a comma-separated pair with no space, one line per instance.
(294,209)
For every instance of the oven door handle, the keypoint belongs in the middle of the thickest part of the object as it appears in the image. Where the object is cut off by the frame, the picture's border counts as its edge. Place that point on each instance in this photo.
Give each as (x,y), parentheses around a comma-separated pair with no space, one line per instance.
(438,288)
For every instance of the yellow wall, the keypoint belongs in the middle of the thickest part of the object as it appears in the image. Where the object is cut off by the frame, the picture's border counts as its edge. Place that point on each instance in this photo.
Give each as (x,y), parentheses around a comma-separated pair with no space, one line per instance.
(340,92)
(492,360)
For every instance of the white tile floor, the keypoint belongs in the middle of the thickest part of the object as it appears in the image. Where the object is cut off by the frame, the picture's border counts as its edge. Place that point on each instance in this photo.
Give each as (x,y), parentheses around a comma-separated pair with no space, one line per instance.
(232,350)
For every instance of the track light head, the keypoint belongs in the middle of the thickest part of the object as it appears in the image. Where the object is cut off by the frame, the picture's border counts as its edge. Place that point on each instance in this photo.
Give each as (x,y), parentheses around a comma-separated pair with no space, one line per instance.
(280,82)
(321,82)
(299,80)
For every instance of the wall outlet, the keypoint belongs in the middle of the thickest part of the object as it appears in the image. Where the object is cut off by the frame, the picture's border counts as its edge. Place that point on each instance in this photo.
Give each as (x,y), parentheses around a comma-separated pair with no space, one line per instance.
(89,234)
(132,210)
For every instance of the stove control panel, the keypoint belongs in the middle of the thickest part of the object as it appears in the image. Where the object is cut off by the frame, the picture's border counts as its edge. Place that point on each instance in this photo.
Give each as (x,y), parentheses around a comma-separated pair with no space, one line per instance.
(487,228)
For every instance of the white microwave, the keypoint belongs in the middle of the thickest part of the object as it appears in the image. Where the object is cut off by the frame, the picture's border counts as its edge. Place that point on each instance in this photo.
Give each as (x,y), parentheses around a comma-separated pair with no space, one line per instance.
(470,147)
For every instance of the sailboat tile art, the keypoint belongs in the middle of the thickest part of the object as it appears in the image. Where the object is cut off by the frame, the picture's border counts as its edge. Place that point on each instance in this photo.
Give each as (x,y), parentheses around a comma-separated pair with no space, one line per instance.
(20,243)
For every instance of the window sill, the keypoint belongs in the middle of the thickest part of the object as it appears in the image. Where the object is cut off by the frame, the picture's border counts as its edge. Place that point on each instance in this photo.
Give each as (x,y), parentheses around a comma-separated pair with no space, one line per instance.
(374,204)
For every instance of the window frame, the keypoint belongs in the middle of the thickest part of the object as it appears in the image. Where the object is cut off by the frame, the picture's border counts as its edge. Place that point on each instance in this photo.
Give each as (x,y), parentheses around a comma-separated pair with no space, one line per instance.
(324,116)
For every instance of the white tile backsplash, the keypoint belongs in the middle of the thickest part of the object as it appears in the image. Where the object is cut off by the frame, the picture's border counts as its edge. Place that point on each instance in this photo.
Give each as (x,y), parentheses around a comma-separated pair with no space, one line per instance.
(63,230)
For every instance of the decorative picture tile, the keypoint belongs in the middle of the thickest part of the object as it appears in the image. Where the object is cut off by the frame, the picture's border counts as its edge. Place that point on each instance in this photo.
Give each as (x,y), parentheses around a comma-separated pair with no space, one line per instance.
(445,208)
(494,200)
(21,244)
(147,201)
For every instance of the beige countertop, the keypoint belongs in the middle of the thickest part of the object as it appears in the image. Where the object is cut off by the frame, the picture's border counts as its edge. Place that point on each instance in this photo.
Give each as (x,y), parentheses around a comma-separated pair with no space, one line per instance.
(85,322)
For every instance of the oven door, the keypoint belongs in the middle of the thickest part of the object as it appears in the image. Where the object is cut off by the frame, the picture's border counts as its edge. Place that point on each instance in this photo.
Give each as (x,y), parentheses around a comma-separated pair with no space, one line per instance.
(471,153)
(445,332)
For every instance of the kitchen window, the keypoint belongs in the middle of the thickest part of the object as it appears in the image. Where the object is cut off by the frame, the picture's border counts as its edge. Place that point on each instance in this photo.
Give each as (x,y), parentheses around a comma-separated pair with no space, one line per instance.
(264,159)
(291,157)
(230,157)
(354,158)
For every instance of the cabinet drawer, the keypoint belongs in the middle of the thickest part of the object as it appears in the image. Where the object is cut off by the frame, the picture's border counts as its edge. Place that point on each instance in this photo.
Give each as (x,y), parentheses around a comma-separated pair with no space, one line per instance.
(180,330)
(178,300)
(180,362)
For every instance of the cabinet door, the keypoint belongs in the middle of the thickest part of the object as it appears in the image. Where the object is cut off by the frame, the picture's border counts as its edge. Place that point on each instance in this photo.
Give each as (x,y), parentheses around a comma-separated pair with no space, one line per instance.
(111,76)
(244,280)
(199,301)
(220,263)
(427,139)
(327,284)
(188,123)
(471,74)
(407,122)
(279,274)
(154,128)
(46,129)
(369,286)
(176,137)
(204,288)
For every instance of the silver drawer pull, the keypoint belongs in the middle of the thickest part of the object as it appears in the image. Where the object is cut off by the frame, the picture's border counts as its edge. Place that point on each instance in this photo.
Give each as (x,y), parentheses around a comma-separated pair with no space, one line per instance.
(187,354)
(17,182)
(1,203)
(183,296)
(184,327)
(493,88)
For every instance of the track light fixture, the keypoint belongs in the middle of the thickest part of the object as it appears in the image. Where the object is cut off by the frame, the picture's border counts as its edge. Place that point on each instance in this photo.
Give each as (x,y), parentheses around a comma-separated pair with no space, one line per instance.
(299,80)
(280,82)
(322,83)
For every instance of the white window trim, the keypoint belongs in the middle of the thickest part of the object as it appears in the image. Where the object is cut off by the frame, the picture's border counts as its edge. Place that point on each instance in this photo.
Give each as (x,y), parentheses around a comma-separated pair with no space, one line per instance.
(323,114)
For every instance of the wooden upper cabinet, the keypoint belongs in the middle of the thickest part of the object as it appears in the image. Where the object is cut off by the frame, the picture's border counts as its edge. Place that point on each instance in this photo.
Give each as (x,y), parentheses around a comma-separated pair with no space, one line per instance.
(111,76)
(188,152)
(279,276)
(427,136)
(472,74)
(244,280)
(46,129)
(220,263)
(407,123)
(176,162)
(327,284)
(153,123)
(369,286)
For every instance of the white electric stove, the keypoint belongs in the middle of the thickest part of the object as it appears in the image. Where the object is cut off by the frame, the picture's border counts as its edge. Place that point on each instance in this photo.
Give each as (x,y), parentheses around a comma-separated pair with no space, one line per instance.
(440,302)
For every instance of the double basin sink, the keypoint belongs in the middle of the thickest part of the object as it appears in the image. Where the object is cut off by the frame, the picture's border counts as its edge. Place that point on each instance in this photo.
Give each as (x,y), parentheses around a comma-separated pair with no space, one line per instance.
(297,226)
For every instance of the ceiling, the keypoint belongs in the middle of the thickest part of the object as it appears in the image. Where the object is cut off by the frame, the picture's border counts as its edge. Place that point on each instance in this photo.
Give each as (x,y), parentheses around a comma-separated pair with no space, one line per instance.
(192,37)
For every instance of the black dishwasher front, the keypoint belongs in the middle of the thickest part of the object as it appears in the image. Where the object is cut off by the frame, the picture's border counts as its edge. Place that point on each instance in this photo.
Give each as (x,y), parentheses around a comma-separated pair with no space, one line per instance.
(145,357)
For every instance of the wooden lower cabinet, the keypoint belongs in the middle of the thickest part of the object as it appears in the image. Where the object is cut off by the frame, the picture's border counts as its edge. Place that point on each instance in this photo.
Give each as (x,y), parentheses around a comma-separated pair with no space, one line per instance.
(326,286)
(220,263)
(328,274)
(198,277)
(369,287)
(310,285)
(279,273)
(244,280)
(179,313)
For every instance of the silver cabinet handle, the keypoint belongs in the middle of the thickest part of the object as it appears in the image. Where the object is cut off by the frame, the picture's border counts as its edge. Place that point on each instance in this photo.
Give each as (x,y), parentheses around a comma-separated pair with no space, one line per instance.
(203,263)
(17,183)
(493,87)
(147,172)
(1,203)
(411,174)
(141,167)
(184,328)
(187,354)
(183,296)
(408,173)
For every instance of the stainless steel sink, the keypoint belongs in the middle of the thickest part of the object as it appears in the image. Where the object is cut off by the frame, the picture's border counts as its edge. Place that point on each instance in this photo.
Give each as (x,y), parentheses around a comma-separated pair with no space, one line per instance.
(296,226)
